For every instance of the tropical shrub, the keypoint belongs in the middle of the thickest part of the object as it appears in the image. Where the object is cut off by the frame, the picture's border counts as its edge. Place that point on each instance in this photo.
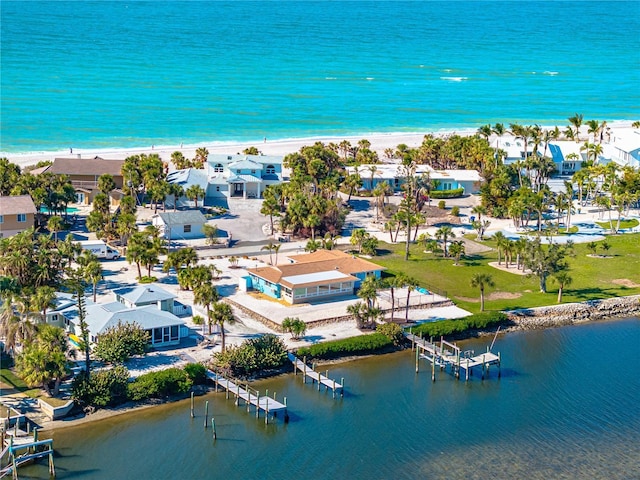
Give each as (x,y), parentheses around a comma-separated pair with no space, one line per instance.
(458,192)
(261,353)
(120,342)
(296,327)
(392,331)
(454,326)
(105,388)
(162,383)
(455,211)
(442,204)
(360,345)
(196,372)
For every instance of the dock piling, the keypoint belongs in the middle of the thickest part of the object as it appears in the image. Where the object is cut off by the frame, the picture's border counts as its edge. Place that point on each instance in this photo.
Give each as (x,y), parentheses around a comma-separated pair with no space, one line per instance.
(206,413)
(192,414)
(213,425)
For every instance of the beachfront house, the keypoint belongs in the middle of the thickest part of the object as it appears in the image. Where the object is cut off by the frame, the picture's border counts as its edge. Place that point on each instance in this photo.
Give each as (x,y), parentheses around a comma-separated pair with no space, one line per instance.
(84,174)
(17,214)
(180,225)
(567,156)
(311,277)
(443,180)
(624,148)
(229,176)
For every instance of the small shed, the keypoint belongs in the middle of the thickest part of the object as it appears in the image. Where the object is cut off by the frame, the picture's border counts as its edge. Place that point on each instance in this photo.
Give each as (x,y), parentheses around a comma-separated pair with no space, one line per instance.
(180,225)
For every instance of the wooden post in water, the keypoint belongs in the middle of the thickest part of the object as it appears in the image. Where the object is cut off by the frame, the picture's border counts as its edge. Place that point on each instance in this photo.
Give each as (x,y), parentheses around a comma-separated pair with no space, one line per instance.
(499,361)
(433,367)
(466,376)
(192,415)
(286,414)
(206,413)
(266,410)
(257,404)
(35,437)
(333,394)
(248,398)
(304,369)
(342,389)
(417,357)
(237,394)
(52,468)
(213,425)
(483,367)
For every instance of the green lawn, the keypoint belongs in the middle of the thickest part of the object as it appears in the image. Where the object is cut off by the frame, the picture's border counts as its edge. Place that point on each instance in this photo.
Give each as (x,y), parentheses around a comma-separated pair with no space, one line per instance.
(10,382)
(593,278)
(631,223)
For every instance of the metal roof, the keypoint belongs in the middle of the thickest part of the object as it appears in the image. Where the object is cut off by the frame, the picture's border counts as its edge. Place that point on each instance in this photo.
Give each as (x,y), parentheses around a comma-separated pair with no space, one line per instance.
(187,217)
(143,294)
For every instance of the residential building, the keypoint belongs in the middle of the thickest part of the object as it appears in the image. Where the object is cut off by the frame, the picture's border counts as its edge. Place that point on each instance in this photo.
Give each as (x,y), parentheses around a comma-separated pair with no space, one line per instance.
(624,148)
(372,175)
(180,225)
(229,176)
(311,277)
(84,173)
(17,214)
(143,295)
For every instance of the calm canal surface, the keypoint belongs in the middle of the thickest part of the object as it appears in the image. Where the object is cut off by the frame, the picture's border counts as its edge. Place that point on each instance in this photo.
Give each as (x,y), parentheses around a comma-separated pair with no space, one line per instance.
(567,406)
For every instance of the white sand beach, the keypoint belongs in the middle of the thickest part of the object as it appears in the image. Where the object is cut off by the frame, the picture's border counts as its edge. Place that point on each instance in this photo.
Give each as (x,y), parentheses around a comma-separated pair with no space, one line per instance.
(379,142)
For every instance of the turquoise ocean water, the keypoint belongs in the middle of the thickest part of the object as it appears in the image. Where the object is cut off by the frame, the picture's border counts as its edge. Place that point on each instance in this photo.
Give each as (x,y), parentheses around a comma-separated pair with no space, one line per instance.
(129,73)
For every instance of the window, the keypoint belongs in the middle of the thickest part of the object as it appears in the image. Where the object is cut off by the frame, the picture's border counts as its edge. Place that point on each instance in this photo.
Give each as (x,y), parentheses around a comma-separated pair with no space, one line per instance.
(238,172)
(218,188)
(253,172)
(187,229)
(1,218)
(270,169)
(22,217)
(218,168)
(79,197)
(174,332)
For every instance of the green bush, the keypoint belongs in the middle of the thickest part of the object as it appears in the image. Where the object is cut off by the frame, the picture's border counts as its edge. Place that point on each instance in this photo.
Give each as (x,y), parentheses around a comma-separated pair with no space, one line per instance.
(159,384)
(442,204)
(146,279)
(455,211)
(196,372)
(120,342)
(359,345)
(262,353)
(450,327)
(104,388)
(458,192)
(391,330)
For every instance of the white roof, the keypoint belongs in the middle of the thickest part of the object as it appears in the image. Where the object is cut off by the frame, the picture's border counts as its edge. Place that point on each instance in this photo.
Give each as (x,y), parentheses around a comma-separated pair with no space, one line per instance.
(316,277)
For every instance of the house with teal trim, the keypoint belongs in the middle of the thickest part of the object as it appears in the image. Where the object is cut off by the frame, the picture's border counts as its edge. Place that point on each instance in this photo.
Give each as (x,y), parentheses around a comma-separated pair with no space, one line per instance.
(372,175)
(311,277)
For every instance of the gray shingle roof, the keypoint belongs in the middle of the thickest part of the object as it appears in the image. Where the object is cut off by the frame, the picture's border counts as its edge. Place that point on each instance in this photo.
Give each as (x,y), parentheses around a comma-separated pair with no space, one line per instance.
(103,316)
(187,217)
(86,166)
(16,204)
(144,294)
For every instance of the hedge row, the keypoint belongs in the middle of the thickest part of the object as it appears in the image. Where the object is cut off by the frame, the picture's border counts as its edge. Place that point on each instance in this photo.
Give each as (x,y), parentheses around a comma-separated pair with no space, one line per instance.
(360,345)
(450,327)
(458,192)
(112,387)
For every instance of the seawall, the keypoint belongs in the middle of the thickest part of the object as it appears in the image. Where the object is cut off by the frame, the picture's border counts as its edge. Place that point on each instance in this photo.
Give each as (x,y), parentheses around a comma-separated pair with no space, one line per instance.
(573,313)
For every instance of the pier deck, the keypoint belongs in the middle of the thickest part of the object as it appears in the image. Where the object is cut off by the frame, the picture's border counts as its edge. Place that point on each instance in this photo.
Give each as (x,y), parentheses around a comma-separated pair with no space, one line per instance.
(448,354)
(250,396)
(316,377)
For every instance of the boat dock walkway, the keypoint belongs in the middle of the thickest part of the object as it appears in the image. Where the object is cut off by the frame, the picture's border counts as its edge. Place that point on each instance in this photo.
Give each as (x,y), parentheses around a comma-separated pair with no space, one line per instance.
(316,377)
(251,397)
(445,354)
(20,446)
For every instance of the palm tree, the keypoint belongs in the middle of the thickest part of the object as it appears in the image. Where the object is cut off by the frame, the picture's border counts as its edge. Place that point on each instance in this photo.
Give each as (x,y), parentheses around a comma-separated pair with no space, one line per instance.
(201,156)
(500,239)
(576,122)
(411,284)
(269,246)
(445,232)
(222,314)
(564,280)
(481,280)
(55,225)
(457,250)
(372,169)
(206,295)
(485,131)
(43,300)
(194,192)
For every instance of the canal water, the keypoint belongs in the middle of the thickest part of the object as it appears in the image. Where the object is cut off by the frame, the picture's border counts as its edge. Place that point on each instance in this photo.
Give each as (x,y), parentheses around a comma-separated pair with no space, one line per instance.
(567,406)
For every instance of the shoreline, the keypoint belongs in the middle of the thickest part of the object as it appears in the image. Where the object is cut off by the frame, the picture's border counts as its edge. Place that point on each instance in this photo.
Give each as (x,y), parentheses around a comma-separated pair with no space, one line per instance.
(528,319)
(380,141)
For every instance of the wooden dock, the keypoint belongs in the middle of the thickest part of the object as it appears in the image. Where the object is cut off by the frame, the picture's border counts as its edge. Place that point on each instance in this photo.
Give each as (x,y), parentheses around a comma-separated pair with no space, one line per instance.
(251,397)
(316,377)
(21,447)
(445,354)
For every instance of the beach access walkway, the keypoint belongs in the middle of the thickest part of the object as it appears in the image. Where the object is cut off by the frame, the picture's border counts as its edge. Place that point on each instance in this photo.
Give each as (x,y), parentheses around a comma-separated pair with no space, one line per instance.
(446,354)
(251,397)
(316,377)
